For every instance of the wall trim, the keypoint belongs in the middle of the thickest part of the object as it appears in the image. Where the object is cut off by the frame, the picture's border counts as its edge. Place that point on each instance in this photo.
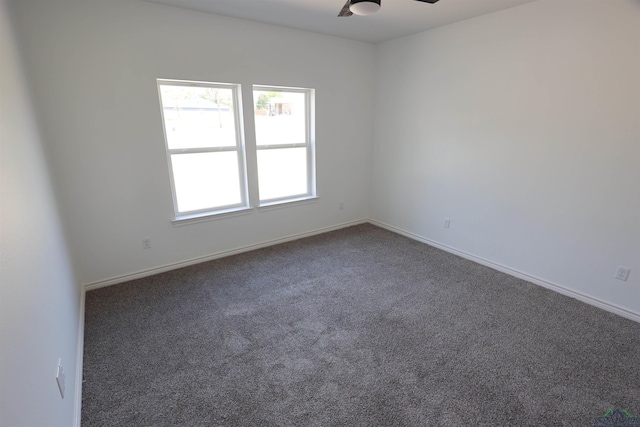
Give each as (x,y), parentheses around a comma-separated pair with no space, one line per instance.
(77,400)
(607,306)
(174,266)
(588,299)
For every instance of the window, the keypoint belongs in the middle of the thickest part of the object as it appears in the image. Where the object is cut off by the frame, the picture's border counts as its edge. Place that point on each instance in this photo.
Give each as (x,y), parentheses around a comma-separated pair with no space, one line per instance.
(284,144)
(205,149)
(203,128)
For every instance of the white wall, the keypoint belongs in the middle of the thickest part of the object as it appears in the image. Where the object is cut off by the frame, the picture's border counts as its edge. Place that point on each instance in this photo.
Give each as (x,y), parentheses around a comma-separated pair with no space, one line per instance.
(93,65)
(39,297)
(523,127)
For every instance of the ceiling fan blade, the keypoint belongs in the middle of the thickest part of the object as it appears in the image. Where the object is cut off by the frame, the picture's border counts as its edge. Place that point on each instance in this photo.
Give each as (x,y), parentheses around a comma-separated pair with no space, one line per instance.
(345,11)
(429,1)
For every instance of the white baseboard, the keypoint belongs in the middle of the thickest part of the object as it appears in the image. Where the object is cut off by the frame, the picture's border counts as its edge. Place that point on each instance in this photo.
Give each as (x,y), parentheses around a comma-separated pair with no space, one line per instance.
(193,261)
(632,315)
(77,400)
(612,308)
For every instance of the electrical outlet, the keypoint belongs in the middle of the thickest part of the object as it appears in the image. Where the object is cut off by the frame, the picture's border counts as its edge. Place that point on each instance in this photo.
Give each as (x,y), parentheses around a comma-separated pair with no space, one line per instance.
(60,378)
(447,223)
(146,243)
(622,273)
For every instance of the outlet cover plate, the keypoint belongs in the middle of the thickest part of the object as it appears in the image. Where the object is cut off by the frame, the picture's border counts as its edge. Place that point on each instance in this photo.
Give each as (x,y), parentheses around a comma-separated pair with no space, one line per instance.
(622,273)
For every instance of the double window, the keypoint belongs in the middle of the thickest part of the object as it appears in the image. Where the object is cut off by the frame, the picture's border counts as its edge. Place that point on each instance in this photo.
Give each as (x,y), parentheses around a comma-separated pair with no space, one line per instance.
(207,151)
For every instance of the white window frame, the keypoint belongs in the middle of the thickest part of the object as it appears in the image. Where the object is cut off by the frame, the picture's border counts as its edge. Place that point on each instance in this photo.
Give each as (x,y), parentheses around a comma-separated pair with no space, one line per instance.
(309,144)
(239,148)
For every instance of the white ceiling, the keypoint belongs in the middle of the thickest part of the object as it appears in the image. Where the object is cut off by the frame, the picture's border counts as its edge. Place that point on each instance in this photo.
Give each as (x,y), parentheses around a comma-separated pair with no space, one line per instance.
(396,18)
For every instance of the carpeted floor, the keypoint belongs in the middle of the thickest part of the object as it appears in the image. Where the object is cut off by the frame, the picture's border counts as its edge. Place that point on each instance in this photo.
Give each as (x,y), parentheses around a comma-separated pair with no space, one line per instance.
(357,327)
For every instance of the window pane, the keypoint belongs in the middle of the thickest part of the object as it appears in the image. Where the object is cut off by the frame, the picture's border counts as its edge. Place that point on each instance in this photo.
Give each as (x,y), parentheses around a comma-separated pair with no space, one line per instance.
(206,180)
(280,117)
(282,172)
(198,117)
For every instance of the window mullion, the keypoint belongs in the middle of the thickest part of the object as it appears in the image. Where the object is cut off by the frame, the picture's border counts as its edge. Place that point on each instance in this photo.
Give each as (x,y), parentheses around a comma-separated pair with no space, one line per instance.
(201,150)
(275,146)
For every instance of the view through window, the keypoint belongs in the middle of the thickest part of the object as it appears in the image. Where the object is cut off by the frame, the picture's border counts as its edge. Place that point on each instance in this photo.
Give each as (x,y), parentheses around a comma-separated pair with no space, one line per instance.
(205,149)
(283,143)
(203,146)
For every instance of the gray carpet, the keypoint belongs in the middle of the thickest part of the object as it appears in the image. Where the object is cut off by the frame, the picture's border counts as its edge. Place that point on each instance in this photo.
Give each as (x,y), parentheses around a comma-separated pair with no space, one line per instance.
(357,327)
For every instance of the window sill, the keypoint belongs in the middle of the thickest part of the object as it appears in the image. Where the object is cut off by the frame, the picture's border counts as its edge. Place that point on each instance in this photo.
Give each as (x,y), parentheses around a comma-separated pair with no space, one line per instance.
(287,203)
(210,216)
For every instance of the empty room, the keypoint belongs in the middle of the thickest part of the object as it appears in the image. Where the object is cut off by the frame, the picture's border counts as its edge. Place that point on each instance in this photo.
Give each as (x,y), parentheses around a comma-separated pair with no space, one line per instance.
(312,213)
